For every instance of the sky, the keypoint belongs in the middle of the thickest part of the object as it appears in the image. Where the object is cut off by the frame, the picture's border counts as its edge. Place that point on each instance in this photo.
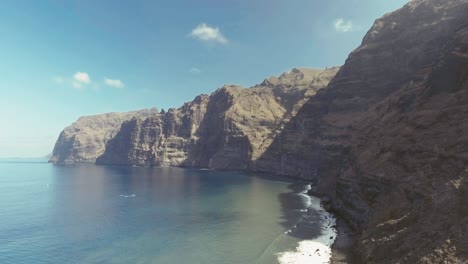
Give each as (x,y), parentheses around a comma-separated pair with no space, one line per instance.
(62,59)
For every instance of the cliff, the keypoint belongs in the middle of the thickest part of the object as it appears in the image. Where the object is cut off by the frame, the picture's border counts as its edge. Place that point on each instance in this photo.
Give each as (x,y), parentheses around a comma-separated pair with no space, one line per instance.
(228,129)
(85,140)
(387,140)
(163,139)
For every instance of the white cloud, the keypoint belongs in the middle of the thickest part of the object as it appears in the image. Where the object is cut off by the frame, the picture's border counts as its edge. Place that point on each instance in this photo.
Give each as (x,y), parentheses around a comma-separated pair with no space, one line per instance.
(206,33)
(82,78)
(343,26)
(195,70)
(114,83)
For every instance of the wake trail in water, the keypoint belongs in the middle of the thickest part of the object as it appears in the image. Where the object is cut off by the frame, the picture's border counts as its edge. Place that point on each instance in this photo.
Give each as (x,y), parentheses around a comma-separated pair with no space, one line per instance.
(127,196)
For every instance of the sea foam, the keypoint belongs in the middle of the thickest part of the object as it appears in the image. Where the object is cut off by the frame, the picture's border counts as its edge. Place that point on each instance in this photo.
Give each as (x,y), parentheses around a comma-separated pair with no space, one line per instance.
(317,250)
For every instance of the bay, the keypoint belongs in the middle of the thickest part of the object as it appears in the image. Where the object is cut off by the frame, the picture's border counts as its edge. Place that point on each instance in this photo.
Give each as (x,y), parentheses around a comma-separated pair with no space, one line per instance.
(105,214)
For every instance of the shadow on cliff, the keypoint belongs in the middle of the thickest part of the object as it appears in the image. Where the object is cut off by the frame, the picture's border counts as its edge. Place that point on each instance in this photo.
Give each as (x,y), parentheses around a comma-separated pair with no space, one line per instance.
(217,147)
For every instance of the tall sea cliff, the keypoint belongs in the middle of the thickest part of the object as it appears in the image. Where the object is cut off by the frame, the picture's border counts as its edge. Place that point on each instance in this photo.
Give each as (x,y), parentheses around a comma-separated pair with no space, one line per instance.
(385,140)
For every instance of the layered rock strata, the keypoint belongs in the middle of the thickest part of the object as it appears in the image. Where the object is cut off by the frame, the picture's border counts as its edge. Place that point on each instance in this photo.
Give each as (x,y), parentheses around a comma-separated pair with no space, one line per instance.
(164,139)
(387,140)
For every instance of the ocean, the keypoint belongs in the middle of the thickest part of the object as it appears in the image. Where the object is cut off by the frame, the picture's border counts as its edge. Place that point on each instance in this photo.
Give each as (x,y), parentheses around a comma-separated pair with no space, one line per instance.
(104,214)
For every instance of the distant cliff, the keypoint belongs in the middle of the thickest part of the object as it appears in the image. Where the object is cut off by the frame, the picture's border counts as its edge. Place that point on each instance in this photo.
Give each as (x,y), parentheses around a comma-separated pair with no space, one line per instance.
(163,139)
(85,140)
(228,129)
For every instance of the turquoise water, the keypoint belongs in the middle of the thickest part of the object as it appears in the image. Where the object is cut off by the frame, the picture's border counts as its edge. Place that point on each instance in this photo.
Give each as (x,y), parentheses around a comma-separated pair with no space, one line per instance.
(99,214)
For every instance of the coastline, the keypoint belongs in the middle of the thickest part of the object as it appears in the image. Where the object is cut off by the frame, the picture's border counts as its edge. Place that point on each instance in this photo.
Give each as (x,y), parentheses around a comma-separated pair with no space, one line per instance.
(341,252)
(317,248)
(341,248)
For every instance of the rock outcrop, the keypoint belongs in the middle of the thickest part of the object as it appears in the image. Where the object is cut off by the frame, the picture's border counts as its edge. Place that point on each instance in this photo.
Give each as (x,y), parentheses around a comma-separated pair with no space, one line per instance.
(85,140)
(387,140)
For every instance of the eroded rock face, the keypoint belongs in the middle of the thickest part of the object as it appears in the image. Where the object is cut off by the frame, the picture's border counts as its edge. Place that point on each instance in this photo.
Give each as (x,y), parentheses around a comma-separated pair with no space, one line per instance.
(85,140)
(240,123)
(387,140)
(164,139)
(228,129)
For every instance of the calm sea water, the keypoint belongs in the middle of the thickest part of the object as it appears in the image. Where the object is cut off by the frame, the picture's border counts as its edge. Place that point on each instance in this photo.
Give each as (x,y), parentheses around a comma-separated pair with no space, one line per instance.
(99,214)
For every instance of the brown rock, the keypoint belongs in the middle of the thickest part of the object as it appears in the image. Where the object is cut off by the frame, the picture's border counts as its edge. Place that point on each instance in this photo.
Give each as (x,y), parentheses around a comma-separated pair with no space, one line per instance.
(229,129)
(161,140)
(240,124)
(388,138)
(85,140)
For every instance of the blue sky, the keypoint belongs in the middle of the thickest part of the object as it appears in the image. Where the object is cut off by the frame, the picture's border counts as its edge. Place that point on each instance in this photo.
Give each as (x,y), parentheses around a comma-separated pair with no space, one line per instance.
(61,59)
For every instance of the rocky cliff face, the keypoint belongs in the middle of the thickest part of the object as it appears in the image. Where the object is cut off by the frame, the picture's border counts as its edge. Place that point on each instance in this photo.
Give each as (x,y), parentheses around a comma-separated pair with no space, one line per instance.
(240,123)
(85,139)
(228,129)
(164,139)
(387,140)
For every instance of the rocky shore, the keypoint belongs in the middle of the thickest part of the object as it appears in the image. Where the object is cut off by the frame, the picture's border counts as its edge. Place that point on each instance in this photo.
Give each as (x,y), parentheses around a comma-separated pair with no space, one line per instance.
(342,246)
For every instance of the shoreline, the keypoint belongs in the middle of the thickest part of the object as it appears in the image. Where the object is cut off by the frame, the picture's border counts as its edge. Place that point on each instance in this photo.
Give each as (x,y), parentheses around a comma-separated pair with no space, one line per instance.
(318,249)
(341,249)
